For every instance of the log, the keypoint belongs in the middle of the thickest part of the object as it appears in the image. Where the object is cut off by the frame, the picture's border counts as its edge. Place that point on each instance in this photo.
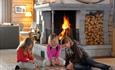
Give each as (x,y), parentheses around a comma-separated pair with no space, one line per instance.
(94,29)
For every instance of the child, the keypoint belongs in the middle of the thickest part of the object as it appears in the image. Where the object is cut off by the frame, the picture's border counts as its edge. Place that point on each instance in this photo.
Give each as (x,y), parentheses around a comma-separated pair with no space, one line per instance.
(24,55)
(78,59)
(53,52)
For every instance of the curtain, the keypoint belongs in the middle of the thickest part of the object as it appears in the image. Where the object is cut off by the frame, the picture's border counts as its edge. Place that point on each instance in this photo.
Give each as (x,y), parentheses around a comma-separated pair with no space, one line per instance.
(5,11)
(0,11)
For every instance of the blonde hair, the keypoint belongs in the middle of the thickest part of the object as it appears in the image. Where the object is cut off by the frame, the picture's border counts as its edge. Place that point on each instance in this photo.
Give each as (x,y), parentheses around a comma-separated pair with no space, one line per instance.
(51,37)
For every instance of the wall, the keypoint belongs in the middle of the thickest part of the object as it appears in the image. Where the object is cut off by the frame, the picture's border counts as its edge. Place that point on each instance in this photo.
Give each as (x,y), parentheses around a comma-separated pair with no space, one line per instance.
(20,18)
(112,37)
(110,29)
(113,42)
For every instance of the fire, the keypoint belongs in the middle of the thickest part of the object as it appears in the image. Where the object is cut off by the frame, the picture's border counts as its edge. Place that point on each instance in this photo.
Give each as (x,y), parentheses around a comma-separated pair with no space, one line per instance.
(65,25)
(61,35)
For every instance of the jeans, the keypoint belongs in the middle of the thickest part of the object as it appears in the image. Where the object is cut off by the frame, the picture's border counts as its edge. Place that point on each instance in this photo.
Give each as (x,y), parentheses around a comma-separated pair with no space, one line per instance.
(87,63)
(26,65)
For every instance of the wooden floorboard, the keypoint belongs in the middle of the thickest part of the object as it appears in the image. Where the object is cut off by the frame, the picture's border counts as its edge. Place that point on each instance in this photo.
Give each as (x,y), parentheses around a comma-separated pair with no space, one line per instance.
(8,61)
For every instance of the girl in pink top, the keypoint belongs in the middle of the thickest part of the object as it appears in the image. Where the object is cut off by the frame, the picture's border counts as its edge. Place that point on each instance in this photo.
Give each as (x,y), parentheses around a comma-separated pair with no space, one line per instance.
(53,52)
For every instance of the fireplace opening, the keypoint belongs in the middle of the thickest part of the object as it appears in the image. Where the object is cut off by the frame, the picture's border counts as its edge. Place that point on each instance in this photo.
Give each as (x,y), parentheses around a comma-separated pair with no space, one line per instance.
(59,20)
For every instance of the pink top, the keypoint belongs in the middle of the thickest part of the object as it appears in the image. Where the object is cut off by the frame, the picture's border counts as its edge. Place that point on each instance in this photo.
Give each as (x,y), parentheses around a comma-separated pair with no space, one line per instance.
(53,52)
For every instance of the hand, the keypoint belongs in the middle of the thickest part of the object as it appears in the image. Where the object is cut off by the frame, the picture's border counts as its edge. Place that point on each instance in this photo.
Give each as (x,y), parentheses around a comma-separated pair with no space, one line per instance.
(56,61)
(53,62)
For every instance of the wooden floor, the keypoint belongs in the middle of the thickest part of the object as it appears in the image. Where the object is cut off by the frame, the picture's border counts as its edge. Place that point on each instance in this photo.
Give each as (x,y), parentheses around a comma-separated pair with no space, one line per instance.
(8,61)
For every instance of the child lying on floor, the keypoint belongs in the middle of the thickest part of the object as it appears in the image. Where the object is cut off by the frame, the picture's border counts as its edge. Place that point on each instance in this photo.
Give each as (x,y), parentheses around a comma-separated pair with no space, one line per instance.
(78,59)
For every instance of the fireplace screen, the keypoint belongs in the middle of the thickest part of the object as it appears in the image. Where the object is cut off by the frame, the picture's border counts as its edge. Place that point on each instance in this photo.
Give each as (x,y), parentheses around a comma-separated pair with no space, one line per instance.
(94,28)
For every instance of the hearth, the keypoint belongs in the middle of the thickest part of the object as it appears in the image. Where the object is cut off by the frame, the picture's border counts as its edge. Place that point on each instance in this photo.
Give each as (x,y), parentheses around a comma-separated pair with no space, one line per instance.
(88,23)
(69,16)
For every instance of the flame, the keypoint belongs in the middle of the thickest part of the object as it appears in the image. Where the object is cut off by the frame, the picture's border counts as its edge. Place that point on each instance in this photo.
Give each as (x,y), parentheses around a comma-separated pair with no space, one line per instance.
(65,26)
(66,23)
(61,35)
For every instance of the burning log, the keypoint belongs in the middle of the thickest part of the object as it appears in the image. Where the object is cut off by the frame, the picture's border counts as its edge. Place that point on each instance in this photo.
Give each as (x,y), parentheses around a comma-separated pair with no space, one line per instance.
(94,29)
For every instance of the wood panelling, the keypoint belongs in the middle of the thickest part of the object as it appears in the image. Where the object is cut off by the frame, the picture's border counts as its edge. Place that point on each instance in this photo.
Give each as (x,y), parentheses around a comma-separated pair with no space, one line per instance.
(20,18)
(110,29)
(113,42)
(113,27)
(24,1)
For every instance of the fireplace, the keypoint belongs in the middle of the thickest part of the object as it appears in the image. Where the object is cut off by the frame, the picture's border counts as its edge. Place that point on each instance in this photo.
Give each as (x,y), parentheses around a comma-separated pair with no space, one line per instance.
(59,20)
(88,23)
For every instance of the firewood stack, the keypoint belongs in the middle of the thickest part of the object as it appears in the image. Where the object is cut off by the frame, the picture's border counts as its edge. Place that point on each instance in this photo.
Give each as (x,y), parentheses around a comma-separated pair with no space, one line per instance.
(94,28)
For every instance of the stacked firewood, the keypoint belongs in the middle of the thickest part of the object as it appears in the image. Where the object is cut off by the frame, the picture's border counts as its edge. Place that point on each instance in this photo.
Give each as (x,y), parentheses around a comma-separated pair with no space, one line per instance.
(94,28)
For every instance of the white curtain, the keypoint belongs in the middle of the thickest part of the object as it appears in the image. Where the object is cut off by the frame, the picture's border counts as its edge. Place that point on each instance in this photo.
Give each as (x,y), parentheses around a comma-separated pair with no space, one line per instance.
(5,11)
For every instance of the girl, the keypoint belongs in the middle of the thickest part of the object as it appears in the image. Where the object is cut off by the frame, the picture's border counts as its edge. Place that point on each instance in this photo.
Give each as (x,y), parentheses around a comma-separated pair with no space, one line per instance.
(77,58)
(24,55)
(53,52)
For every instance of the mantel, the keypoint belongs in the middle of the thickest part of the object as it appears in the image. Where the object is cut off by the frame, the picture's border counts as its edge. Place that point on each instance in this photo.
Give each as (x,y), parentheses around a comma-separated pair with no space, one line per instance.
(61,6)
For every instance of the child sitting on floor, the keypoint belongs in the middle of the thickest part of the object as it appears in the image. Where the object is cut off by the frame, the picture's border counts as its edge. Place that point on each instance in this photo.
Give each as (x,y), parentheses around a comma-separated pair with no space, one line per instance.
(53,52)
(24,56)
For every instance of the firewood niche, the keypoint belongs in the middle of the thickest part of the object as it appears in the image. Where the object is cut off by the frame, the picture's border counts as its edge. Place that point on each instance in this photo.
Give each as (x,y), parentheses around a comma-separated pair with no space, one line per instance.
(94,28)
